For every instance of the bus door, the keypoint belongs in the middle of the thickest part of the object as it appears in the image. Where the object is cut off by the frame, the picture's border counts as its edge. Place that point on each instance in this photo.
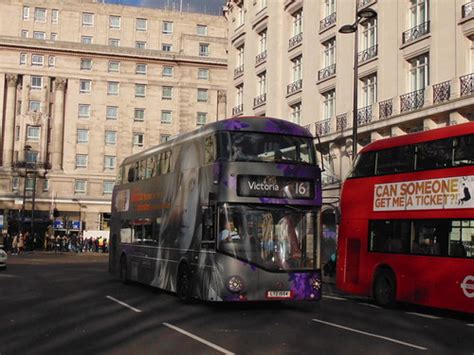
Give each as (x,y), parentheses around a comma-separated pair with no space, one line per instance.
(143,261)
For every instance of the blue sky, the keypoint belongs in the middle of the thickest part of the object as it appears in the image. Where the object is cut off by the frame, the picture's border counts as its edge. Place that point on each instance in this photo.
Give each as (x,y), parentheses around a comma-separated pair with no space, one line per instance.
(203,6)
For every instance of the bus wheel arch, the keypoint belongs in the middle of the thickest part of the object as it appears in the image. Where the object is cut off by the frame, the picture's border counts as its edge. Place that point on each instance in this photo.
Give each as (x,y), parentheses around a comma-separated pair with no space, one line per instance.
(123,269)
(384,286)
(183,282)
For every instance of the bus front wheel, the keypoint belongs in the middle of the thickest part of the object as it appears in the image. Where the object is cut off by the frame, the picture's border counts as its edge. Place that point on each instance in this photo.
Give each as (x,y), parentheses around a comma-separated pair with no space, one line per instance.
(183,287)
(123,270)
(384,289)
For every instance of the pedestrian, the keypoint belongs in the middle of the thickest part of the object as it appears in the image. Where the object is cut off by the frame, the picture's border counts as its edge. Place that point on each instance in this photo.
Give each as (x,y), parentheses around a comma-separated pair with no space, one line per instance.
(21,243)
(15,245)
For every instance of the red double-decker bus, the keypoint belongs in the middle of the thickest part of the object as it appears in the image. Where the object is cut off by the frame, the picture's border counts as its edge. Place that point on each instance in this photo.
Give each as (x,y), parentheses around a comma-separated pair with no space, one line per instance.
(407,220)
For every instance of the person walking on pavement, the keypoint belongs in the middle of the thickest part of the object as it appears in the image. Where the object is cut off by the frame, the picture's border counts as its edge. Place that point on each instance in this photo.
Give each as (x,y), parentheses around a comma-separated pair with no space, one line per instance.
(15,245)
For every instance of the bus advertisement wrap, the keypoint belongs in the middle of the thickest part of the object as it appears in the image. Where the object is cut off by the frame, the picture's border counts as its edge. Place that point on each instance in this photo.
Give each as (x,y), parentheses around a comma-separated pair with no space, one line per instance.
(442,193)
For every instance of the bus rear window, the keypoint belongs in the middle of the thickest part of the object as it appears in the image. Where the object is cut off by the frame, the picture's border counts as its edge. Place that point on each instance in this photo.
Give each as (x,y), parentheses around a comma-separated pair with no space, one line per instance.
(261,147)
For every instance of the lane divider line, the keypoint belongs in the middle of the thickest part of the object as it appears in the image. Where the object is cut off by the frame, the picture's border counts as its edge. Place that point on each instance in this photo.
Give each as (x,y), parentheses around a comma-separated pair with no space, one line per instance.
(335,298)
(470,324)
(423,315)
(369,305)
(124,304)
(199,339)
(370,334)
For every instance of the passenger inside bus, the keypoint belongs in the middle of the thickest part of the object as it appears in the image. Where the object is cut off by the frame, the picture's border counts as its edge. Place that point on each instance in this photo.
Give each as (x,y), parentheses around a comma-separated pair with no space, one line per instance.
(229,233)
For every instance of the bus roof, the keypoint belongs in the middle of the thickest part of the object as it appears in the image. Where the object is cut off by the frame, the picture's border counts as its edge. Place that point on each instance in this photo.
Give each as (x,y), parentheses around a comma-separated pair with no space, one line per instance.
(242,124)
(412,138)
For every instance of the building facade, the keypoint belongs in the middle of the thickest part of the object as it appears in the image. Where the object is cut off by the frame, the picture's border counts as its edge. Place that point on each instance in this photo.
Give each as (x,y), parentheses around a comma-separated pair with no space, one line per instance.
(415,65)
(85,84)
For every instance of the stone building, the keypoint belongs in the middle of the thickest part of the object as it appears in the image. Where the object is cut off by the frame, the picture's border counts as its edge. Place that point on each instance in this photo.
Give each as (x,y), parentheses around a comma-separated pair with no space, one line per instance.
(85,84)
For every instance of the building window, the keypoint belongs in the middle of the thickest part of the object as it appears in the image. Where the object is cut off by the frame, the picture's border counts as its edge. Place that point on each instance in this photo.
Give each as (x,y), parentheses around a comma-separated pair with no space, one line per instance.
(85,86)
(51,61)
(80,186)
(54,36)
(30,184)
(31,156)
(24,33)
(111,113)
(86,39)
(141,24)
(140,90)
(201,118)
(87,19)
(114,67)
(201,30)
(167,93)
(86,64)
(109,162)
(168,71)
(112,88)
(45,184)
(297,68)
(84,111)
(81,161)
(167,27)
(262,83)
(297,22)
(202,95)
(369,33)
(36,82)
(23,59)
(114,22)
(329,104)
(26,13)
(203,49)
(240,16)
(15,183)
(329,7)
(40,14)
(37,60)
(329,52)
(33,133)
(419,72)
(82,136)
(39,35)
(34,106)
(166,47)
(296,113)
(203,74)
(108,187)
(418,12)
(114,42)
(139,114)
(165,138)
(140,44)
(54,16)
(239,98)
(368,90)
(166,116)
(140,69)
(262,41)
(138,139)
(110,137)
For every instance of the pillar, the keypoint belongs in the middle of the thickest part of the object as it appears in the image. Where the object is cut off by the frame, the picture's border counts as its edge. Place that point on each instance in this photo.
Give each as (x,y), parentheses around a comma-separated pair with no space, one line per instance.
(9,127)
(58,125)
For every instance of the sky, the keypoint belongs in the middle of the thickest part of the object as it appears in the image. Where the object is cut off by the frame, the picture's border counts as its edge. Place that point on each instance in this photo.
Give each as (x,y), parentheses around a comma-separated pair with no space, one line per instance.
(203,6)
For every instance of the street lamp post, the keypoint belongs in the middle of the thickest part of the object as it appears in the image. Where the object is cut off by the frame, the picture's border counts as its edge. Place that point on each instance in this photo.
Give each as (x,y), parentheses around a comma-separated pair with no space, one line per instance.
(364,14)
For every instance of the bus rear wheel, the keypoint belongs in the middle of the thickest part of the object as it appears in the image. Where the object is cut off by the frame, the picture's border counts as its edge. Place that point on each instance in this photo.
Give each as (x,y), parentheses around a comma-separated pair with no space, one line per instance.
(183,288)
(384,289)
(123,270)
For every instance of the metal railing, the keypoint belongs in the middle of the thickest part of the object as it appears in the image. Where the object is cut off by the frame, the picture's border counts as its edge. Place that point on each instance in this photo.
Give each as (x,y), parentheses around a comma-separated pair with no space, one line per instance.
(467,84)
(441,92)
(237,110)
(385,109)
(261,57)
(468,9)
(416,32)
(341,122)
(327,21)
(238,71)
(260,100)
(294,86)
(364,115)
(412,100)
(327,72)
(364,3)
(295,40)
(367,54)
(323,127)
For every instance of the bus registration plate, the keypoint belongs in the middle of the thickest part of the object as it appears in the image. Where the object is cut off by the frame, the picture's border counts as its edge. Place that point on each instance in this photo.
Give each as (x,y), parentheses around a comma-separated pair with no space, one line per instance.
(279,294)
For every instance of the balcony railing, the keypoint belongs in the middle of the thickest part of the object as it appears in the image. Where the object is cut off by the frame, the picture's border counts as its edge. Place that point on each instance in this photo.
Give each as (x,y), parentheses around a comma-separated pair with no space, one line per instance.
(416,32)
(441,92)
(385,109)
(237,110)
(327,72)
(364,3)
(468,9)
(308,127)
(295,40)
(261,57)
(323,127)
(294,86)
(260,100)
(412,100)
(367,54)
(238,71)
(364,115)
(32,165)
(327,21)
(341,122)
(467,84)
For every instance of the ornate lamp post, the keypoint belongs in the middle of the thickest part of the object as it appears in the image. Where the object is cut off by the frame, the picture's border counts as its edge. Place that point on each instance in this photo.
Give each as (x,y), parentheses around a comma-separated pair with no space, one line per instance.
(364,14)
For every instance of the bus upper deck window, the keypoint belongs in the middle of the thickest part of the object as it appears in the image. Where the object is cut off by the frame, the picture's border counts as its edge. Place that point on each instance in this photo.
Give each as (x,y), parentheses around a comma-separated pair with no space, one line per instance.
(464,150)
(364,165)
(435,154)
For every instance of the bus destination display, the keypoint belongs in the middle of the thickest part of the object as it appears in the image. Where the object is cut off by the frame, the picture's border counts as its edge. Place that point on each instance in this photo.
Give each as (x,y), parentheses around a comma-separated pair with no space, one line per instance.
(274,186)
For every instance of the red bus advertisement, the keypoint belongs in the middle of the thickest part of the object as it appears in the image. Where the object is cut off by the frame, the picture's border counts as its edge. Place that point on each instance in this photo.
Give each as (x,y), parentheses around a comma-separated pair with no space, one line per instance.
(407,221)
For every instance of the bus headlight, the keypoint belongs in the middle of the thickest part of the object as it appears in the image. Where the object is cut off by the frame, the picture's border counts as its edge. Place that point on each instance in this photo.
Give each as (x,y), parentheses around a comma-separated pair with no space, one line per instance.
(235,284)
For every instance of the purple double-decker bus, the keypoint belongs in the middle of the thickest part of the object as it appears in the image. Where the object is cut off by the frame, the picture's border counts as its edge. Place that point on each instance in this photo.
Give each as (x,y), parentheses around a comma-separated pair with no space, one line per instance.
(228,212)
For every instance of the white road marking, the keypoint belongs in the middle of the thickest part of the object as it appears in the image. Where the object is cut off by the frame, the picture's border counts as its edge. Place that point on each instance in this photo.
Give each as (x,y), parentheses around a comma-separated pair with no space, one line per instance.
(124,304)
(370,334)
(335,298)
(470,325)
(369,305)
(201,340)
(423,315)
